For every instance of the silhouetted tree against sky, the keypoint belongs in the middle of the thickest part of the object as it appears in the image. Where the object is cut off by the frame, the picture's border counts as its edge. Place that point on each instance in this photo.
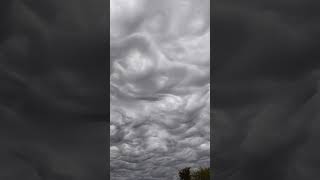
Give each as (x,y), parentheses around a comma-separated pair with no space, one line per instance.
(198,174)
(184,174)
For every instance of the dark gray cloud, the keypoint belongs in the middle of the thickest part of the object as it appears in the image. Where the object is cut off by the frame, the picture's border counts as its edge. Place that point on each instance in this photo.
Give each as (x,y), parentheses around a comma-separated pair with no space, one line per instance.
(52,71)
(265,90)
(159,87)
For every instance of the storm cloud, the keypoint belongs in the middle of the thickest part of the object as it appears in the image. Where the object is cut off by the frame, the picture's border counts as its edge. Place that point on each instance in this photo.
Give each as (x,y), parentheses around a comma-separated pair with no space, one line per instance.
(53,72)
(265,90)
(159,87)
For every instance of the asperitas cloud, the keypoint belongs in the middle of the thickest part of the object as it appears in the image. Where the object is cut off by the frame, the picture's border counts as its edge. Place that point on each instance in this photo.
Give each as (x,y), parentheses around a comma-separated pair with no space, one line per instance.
(159,87)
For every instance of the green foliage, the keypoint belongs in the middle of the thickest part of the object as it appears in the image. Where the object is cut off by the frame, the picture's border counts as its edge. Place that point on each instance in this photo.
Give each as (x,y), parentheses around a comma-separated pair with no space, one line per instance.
(199,174)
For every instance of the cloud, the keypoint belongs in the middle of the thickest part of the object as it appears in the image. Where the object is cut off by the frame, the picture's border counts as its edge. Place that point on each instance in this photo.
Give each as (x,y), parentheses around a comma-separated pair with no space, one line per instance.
(265,90)
(52,73)
(159,87)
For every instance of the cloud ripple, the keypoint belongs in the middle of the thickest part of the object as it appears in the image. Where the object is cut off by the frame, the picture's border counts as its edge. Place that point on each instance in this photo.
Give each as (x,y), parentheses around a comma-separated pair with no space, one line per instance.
(159,87)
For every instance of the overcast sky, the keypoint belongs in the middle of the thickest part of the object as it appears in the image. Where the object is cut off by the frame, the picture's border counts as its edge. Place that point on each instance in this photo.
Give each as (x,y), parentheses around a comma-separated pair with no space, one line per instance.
(159,87)
(266,90)
(52,94)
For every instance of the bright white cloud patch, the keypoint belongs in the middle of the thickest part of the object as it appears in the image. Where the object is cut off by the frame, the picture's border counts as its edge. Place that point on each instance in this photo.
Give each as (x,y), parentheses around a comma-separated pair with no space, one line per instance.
(160,87)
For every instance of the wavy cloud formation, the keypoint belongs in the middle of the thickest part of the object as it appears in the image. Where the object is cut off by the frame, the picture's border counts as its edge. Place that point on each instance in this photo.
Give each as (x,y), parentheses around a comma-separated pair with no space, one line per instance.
(52,94)
(266,96)
(159,87)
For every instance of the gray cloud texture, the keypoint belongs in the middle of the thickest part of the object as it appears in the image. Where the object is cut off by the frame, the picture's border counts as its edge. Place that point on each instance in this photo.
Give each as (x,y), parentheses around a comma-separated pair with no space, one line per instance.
(159,87)
(52,95)
(266,91)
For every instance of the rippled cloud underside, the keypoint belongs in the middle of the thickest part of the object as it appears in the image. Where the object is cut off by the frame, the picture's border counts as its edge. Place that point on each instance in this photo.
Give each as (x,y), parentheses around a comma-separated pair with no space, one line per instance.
(159,87)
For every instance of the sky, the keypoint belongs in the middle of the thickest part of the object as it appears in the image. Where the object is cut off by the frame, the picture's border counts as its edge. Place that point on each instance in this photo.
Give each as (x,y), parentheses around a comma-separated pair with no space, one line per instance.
(264,81)
(52,95)
(266,90)
(159,87)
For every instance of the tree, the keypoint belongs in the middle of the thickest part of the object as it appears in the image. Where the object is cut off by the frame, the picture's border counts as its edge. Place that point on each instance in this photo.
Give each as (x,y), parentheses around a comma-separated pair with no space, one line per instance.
(184,174)
(199,174)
